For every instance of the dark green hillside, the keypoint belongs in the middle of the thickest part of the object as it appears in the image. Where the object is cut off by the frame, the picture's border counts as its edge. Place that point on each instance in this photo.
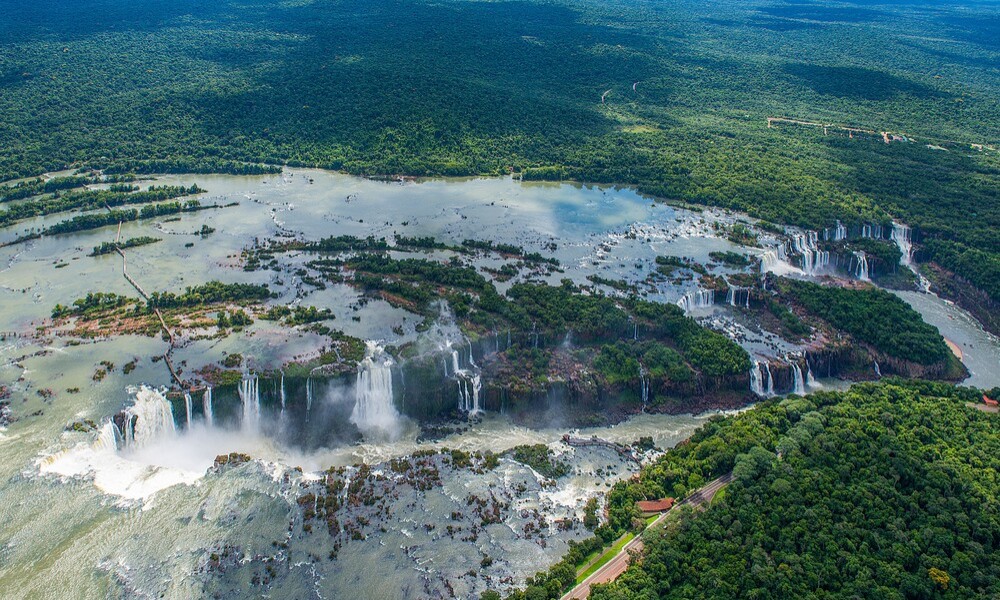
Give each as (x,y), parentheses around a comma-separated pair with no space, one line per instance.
(462,87)
(881,492)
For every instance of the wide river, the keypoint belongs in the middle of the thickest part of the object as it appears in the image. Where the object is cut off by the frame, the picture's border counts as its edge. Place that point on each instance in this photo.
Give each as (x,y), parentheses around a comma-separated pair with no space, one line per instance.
(78,520)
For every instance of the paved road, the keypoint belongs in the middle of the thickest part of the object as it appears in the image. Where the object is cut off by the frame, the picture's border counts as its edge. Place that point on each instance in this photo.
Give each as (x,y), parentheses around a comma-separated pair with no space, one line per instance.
(617,565)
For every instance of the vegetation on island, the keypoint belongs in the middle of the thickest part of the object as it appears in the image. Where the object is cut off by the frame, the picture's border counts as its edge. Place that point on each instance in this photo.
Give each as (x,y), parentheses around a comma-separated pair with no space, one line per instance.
(872,316)
(111,247)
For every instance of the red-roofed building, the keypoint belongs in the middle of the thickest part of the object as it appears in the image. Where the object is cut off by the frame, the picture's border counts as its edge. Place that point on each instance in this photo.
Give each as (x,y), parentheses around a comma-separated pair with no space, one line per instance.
(652,507)
(990,401)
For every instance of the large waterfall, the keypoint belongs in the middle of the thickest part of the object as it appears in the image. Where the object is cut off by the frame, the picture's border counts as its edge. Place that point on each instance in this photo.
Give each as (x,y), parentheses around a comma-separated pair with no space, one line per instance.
(697,299)
(206,402)
(107,438)
(813,259)
(282,391)
(373,407)
(756,379)
(645,386)
(798,382)
(188,407)
(148,419)
(470,384)
(738,297)
(250,397)
(810,379)
(861,267)
(902,235)
(839,233)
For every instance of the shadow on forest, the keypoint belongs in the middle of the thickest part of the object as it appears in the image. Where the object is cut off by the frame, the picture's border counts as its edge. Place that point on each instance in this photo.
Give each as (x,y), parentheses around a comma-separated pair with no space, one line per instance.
(856,83)
(825,14)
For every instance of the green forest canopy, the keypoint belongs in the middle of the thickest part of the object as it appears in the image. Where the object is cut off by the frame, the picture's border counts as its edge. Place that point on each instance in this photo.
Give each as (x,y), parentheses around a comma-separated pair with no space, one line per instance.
(462,87)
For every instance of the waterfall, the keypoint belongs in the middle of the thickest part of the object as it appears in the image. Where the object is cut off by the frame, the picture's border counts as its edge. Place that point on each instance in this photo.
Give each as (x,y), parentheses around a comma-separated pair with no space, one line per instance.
(373,408)
(861,270)
(734,294)
(878,371)
(813,258)
(697,299)
(148,419)
(250,397)
(282,391)
(107,438)
(872,231)
(810,380)
(309,393)
(770,379)
(472,359)
(188,408)
(840,233)
(901,235)
(454,361)
(756,379)
(206,402)
(904,241)
(768,261)
(469,388)
(799,384)
(645,386)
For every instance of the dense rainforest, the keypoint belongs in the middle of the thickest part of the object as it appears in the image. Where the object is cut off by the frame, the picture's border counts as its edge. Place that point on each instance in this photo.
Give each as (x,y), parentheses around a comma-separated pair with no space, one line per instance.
(670,97)
(882,491)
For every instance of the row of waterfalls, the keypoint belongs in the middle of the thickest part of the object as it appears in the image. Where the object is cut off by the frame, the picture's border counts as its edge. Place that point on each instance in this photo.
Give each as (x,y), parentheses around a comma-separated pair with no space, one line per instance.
(373,411)
(762,381)
(699,299)
(811,260)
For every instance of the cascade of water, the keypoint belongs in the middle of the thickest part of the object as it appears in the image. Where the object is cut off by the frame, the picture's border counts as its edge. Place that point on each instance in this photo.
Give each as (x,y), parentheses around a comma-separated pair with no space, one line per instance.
(878,371)
(373,407)
(840,233)
(645,386)
(768,261)
(148,419)
(472,360)
(901,236)
(861,269)
(813,258)
(756,379)
(188,408)
(475,386)
(250,397)
(206,403)
(107,438)
(454,361)
(810,380)
(282,391)
(798,383)
(770,379)
(697,299)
